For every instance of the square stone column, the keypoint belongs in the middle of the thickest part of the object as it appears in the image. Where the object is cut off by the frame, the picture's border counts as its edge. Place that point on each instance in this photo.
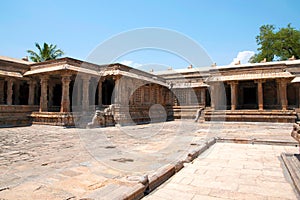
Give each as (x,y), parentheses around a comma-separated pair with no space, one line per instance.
(10,83)
(50,91)
(260,94)
(31,95)
(298,95)
(85,93)
(17,93)
(65,98)
(283,96)
(213,96)
(44,94)
(2,91)
(203,96)
(234,95)
(100,92)
(117,90)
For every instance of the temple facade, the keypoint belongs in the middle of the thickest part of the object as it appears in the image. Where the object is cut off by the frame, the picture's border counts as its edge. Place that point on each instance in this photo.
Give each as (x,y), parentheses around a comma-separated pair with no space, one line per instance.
(67,92)
(251,92)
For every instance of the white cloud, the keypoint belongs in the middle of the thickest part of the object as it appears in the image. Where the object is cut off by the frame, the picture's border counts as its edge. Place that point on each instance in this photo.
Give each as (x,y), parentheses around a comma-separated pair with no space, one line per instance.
(131,63)
(243,56)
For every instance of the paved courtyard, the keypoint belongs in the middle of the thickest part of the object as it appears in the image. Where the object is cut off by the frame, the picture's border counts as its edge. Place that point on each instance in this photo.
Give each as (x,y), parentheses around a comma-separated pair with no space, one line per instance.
(47,162)
(231,171)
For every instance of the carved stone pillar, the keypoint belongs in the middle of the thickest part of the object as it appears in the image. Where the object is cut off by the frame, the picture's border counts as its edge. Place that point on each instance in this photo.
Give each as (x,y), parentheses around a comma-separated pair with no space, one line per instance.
(100,92)
(260,94)
(65,98)
(298,96)
(283,96)
(1,91)
(77,89)
(188,96)
(44,94)
(31,94)
(159,95)
(85,93)
(213,96)
(117,90)
(202,96)
(10,83)
(17,93)
(233,87)
(142,88)
(50,91)
(278,93)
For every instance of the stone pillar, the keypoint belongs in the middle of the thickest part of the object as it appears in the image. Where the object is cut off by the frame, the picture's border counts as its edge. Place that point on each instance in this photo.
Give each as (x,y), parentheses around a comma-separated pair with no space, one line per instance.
(142,88)
(10,83)
(278,93)
(85,93)
(78,87)
(1,91)
(212,96)
(260,94)
(100,92)
(151,93)
(117,90)
(31,95)
(44,94)
(202,96)
(233,87)
(50,91)
(188,96)
(298,96)
(17,93)
(159,95)
(283,96)
(65,97)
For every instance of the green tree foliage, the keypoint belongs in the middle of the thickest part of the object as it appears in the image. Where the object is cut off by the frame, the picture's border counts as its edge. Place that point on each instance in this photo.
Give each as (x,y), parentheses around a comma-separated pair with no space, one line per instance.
(47,52)
(277,45)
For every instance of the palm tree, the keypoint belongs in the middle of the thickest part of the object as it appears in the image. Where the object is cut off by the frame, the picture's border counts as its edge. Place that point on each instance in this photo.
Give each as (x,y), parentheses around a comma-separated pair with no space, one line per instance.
(48,52)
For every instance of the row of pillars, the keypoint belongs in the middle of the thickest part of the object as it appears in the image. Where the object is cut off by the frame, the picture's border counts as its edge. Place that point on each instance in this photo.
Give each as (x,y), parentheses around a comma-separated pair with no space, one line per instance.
(84,90)
(65,99)
(9,93)
(281,90)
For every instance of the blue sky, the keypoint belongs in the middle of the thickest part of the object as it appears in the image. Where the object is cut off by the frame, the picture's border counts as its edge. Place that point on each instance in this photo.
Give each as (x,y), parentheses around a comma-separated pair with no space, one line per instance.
(222,27)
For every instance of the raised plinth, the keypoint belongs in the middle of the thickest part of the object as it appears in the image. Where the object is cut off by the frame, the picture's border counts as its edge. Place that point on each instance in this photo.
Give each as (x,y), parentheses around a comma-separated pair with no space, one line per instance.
(53,118)
(16,115)
(287,116)
(185,112)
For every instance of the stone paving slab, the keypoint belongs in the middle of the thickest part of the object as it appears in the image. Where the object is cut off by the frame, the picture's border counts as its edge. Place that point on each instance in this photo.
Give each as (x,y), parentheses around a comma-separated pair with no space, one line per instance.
(232,171)
(48,162)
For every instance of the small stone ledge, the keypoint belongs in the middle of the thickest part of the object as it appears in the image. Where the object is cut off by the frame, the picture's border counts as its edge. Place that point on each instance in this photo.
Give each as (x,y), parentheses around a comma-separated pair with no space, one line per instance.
(292,163)
(256,141)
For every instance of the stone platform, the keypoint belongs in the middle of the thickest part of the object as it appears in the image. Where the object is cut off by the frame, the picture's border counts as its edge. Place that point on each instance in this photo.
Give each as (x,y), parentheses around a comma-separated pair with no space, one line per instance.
(288,116)
(292,163)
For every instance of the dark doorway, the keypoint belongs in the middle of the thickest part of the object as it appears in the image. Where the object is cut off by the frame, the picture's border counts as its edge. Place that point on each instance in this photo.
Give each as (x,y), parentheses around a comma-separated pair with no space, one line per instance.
(107,91)
(24,93)
(228,96)
(250,96)
(57,95)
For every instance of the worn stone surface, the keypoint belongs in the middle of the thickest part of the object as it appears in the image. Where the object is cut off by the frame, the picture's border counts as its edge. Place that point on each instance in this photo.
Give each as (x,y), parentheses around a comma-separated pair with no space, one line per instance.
(232,171)
(48,162)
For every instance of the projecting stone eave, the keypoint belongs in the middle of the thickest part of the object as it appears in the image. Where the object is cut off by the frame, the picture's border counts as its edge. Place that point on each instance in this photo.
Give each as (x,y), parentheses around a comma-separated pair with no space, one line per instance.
(79,67)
